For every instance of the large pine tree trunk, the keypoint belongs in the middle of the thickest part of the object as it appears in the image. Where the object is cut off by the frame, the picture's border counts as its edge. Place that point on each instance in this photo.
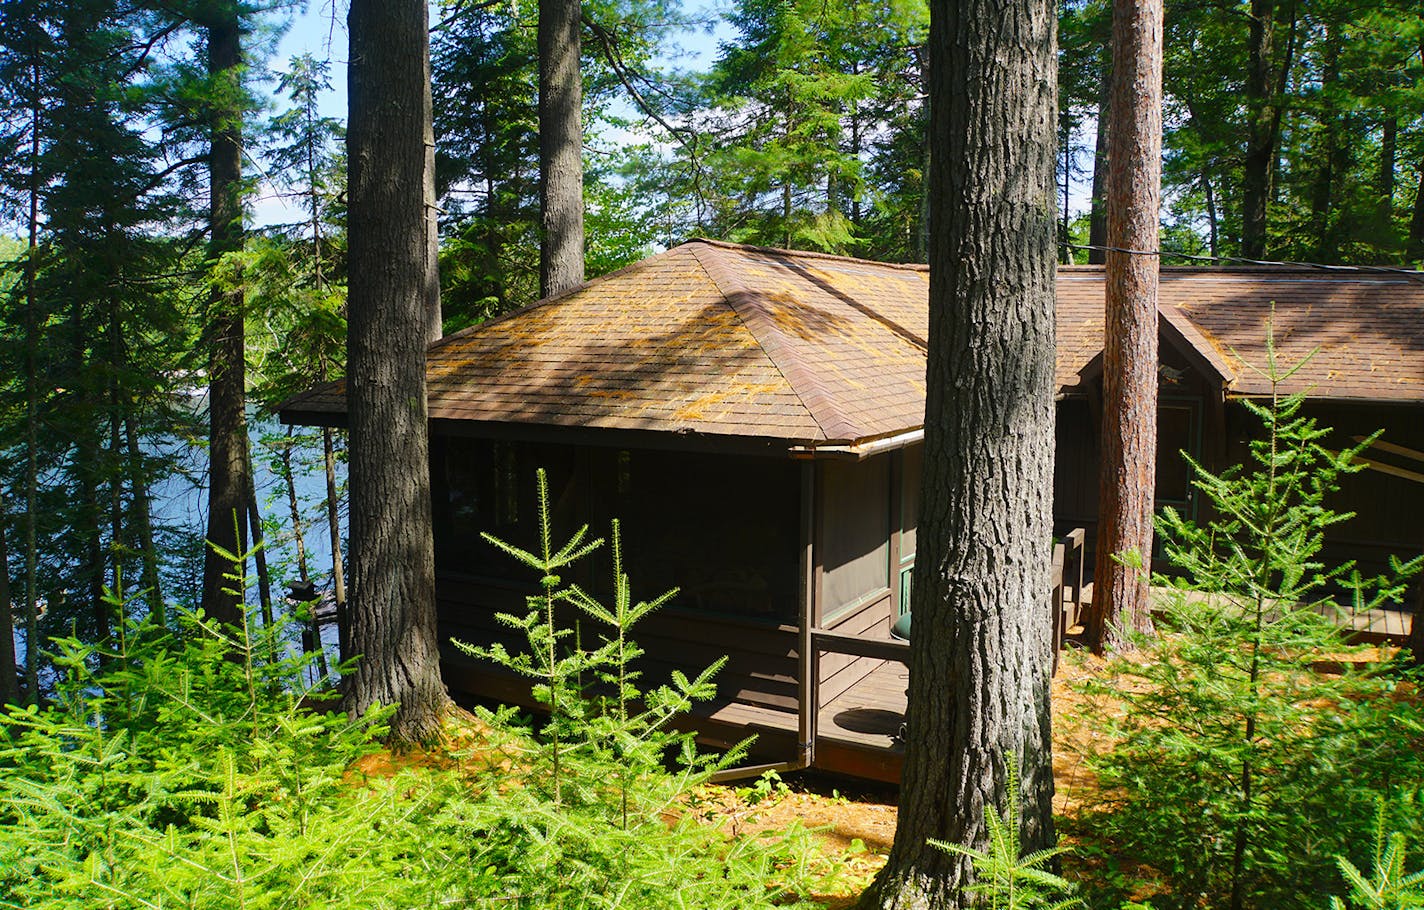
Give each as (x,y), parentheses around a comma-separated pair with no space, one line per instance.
(560,147)
(433,327)
(227,369)
(1129,448)
(981,652)
(392,607)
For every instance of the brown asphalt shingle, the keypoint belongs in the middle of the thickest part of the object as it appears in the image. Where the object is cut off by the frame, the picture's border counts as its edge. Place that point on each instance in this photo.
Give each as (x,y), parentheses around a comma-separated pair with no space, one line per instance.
(721,339)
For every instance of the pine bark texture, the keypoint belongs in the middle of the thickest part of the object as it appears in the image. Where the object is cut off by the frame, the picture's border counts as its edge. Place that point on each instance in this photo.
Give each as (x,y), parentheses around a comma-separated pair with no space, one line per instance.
(392,608)
(433,323)
(1129,441)
(560,147)
(981,652)
(227,370)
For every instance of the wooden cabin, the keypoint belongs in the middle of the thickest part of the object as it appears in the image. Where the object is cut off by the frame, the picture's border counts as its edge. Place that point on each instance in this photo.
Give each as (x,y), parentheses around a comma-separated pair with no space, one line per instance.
(754,419)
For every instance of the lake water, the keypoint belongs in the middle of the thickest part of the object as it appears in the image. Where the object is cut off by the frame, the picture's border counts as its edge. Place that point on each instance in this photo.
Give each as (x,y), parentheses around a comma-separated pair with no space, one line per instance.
(180,501)
(180,507)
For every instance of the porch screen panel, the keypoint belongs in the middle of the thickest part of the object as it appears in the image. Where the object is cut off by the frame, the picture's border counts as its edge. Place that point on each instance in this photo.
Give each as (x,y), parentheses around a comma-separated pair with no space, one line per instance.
(490,487)
(855,532)
(722,529)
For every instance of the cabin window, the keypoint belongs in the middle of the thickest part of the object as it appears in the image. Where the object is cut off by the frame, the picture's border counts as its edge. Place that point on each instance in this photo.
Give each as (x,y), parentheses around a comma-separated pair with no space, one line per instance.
(1177,432)
(490,487)
(855,533)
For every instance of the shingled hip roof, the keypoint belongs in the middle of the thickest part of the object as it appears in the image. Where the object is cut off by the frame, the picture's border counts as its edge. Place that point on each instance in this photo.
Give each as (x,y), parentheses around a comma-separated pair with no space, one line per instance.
(815,350)
(707,338)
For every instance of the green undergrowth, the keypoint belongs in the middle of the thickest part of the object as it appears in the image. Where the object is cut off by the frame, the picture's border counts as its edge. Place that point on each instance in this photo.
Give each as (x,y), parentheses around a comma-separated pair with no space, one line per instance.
(1251,745)
(195,767)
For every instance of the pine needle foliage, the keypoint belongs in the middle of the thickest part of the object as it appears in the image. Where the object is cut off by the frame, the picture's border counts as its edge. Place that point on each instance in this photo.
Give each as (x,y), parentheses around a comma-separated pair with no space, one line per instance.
(185,767)
(1006,879)
(1390,886)
(594,809)
(1238,761)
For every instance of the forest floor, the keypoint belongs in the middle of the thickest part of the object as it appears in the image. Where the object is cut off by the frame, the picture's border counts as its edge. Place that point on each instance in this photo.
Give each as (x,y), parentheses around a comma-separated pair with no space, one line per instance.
(853,821)
(856,820)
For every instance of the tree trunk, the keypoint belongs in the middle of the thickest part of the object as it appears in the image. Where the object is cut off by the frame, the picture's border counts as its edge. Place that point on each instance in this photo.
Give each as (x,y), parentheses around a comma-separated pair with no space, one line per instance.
(560,147)
(32,395)
(393,564)
(90,531)
(981,652)
(1129,450)
(311,637)
(1098,214)
(433,324)
(1414,252)
(1384,180)
(922,229)
(294,508)
(1213,230)
(1267,71)
(338,568)
(259,551)
(1065,145)
(1329,166)
(90,514)
(9,670)
(143,520)
(229,462)
(118,547)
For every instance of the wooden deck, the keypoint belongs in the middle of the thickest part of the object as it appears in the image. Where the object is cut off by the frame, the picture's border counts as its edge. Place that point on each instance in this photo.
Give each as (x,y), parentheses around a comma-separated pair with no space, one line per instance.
(857,733)
(1378,626)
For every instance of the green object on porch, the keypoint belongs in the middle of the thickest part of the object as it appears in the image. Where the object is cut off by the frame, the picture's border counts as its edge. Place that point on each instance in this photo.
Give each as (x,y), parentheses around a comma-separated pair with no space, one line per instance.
(901,628)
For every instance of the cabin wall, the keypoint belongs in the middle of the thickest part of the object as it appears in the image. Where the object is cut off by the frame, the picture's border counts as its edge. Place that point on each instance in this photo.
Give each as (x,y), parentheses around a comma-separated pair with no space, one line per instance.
(1388,499)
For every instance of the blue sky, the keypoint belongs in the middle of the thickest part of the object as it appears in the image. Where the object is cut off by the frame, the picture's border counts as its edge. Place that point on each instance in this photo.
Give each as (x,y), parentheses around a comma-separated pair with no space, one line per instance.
(319,28)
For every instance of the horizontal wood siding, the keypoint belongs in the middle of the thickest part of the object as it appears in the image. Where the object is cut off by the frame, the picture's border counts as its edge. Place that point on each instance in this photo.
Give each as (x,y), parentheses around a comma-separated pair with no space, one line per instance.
(841,671)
